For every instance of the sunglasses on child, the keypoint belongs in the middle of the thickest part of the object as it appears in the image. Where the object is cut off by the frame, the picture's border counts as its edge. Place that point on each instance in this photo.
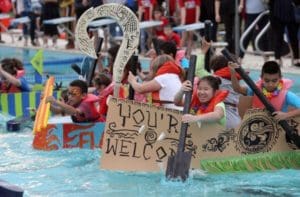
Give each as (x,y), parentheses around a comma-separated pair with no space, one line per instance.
(73,93)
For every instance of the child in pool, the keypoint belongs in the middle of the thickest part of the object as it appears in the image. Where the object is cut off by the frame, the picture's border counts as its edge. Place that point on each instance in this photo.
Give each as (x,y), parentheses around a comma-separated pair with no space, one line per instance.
(274,87)
(207,101)
(80,105)
(10,81)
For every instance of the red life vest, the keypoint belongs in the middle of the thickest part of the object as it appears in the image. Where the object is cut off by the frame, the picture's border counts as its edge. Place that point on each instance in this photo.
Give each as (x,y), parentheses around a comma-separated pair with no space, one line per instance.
(276,101)
(109,90)
(225,73)
(90,100)
(168,67)
(196,108)
(9,88)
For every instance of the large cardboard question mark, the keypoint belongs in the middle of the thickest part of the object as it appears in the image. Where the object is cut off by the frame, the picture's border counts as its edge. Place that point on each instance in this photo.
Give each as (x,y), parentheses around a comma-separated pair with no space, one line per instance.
(131,32)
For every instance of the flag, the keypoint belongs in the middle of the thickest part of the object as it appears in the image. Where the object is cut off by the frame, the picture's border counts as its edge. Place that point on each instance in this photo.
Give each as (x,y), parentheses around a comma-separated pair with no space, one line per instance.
(38,61)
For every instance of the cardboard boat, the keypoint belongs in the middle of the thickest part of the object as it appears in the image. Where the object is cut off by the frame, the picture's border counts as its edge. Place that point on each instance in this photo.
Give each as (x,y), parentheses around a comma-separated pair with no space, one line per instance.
(61,133)
(18,104)
(140,137)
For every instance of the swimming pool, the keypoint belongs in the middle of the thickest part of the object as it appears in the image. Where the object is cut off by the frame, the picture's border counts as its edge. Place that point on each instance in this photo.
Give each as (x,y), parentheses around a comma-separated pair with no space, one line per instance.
(75,172)
(56,63)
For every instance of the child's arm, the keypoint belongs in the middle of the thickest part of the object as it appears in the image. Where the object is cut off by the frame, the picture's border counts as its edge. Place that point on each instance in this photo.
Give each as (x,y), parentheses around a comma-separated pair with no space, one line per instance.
(292,100)
(235,82)
(68,109)
(214,116)
(186,86)
(200,70)
(279,115)
(13,80)
(145,87)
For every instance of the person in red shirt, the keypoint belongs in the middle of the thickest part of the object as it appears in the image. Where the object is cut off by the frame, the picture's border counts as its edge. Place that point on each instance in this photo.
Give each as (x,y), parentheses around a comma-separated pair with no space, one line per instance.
(158,15)
(170,36)
(190,13)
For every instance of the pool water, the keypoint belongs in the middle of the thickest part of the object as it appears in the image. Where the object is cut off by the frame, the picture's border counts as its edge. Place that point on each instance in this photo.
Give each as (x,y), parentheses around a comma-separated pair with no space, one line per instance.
(56,63)
(76,172)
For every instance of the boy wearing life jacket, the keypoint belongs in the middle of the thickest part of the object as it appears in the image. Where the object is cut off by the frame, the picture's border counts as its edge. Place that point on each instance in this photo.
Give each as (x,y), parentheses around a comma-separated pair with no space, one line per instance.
(274,87)
(10,81)
(207,101)
(80,105)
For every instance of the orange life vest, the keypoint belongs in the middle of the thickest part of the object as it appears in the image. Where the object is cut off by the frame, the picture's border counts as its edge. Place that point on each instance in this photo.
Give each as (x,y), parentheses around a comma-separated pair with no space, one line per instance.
(90,101)
(109,90)
(198,108)
(276,101)
(9,88)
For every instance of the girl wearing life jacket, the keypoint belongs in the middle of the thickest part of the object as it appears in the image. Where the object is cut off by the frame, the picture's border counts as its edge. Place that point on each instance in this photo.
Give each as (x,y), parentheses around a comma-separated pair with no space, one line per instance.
(207,101)
(274,87)
(80,105)
(165,81)
(10,81)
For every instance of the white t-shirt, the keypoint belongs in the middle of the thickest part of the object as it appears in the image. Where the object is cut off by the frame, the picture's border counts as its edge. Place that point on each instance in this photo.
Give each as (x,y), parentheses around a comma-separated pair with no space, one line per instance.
(170,85)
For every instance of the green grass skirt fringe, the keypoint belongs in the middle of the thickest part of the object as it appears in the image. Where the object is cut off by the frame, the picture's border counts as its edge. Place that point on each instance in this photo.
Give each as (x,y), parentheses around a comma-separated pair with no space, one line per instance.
(253,162)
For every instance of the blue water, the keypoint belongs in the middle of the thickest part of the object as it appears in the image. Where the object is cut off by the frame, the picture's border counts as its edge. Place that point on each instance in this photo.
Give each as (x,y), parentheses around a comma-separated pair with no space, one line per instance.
(76,172)
(56,63)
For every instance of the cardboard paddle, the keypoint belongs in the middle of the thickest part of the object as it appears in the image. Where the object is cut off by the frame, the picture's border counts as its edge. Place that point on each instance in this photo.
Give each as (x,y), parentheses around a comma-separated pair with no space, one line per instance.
(208,37)
(91,71)
(179,164)
(290,132)
(133,66)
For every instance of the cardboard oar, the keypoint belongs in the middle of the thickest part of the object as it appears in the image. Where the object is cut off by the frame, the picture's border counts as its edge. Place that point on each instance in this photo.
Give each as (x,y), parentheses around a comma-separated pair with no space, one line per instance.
(207,35)
(290,131)
(43,112)
(179,164)
(91,72)
(133,66)
(76,68)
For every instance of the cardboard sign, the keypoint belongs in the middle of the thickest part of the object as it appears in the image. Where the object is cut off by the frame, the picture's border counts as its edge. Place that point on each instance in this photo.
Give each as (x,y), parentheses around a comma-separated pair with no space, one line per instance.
(140,137)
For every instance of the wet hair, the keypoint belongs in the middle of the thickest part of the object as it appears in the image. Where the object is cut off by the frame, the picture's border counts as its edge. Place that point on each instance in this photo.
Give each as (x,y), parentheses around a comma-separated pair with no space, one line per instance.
(11,65)
(102,79)
(218,62)
(271,67)
(9,68)
(17,63)
(169,48)
(214,82)
(81,84)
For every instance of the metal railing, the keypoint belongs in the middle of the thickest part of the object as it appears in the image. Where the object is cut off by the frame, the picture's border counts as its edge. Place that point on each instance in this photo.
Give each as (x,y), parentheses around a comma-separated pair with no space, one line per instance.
(257,50)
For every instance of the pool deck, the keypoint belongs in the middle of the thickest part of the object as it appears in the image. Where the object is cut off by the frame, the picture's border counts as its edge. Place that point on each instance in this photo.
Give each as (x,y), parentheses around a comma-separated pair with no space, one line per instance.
(249,61)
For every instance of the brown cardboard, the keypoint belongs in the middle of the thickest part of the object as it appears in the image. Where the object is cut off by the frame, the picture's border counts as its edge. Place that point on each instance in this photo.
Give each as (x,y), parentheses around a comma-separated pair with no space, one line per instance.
(126,149)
